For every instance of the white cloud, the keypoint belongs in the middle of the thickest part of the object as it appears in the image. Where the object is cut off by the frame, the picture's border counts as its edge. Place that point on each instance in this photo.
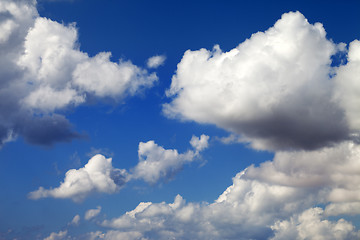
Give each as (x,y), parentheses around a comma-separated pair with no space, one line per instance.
(274,200)
(335,170)
(156,163)
(43,71)
(104,78)
(57,236)
(76,220)
(201,143)
(91,213)
(273,89)
(98,175)
(114,235)
(156,61)
(58,68)
(311,225)
(347,83)
(347,208)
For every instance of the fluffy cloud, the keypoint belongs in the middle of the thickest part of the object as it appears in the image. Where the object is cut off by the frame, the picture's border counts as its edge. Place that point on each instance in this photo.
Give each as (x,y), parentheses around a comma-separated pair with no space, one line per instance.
(43,71)
(57,236)
(276,89)
(98,175)
(272,201)
(156,163)
(91,213)
(311,225)
(155,61)
(347,83)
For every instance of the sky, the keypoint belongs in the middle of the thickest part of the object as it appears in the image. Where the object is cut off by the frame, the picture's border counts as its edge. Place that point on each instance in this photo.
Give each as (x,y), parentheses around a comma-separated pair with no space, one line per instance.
(185,119)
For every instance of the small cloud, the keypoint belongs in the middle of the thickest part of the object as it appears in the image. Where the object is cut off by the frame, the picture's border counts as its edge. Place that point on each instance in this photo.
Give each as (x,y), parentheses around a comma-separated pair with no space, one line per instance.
(97,176)
(75,221)
(155,61)
(200,143)
(91,213)
(57,236)
(157,163)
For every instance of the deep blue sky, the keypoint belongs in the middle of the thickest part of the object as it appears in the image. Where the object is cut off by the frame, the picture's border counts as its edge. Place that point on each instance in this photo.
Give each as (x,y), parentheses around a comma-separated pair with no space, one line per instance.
(136,30)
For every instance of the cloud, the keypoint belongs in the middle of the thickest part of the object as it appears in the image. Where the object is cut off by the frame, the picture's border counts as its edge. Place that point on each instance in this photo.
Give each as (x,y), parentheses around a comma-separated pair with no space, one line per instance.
(43,71)
(347,83)
(311,225)
(57,236)
(91,213)
(157,163)
(75,221)
(201,143)
(276,89)
(97,176)
(272,201)
(113,235)
(155,61)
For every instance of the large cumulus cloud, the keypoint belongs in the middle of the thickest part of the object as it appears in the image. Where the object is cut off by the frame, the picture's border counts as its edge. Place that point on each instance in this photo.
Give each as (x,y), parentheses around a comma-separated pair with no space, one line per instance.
(272,201)
(278,89)
(43,71)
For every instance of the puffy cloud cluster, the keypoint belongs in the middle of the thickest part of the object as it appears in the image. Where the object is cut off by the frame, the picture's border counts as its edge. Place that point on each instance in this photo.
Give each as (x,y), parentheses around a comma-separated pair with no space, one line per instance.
(277,89)
(99,176)
(43,71)
(156,163)
(311,225)
(273,201)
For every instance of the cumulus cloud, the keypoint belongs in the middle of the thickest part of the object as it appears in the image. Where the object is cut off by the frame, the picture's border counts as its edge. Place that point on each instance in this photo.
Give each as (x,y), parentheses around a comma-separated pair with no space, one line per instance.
(97,176)
(276,89)
(157,163)
(57,236)
(156,61)
(311,225)
(347,83)
(272,201)
(44,71)
(91,213)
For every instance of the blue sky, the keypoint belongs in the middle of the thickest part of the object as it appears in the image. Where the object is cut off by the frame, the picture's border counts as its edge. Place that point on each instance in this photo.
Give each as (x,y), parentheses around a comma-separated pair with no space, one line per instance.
(223,119)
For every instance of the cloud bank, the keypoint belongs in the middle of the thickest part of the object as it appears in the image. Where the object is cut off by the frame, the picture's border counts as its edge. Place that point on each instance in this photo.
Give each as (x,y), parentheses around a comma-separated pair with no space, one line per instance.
(273,201)
(43,71)
(277,90)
